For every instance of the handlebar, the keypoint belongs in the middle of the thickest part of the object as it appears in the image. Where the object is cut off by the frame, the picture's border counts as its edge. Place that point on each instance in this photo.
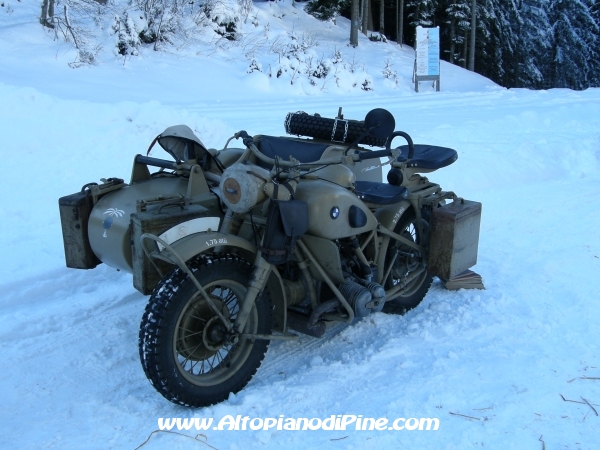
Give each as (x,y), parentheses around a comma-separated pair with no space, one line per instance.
(372,155)
(346,159)
(246,138)
(411,146)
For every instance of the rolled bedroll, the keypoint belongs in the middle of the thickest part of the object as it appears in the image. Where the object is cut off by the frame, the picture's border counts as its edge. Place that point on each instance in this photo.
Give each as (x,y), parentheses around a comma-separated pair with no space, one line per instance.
(336,130)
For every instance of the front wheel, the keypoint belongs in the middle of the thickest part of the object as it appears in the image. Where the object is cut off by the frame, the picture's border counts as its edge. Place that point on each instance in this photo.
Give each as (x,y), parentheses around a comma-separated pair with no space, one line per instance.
(407,266)
(182,343)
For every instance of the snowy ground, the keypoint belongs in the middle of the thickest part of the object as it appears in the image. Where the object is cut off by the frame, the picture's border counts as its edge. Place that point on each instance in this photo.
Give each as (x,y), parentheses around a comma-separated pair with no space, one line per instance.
(70,374)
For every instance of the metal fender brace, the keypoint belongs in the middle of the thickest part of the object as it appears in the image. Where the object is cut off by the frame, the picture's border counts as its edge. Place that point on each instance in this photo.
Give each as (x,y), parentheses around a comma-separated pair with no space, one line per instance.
(260,278)
(258,282)
(173,256)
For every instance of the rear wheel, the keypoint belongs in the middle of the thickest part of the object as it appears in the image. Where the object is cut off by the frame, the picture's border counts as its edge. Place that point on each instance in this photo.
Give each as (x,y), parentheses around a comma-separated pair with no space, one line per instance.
(409,268)
(183,344)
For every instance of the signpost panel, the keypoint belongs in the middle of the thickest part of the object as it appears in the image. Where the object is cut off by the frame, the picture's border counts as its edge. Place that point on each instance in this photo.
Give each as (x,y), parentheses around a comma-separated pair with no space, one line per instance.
(427,57)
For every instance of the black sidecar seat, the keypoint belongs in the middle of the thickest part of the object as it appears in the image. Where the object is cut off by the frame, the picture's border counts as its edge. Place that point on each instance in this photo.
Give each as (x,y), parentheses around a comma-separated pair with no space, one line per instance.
(380,193)
(429,157)
(303,151)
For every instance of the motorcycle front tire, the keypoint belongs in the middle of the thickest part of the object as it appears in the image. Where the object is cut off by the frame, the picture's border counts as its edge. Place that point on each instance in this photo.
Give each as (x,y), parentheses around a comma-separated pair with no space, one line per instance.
(182,342)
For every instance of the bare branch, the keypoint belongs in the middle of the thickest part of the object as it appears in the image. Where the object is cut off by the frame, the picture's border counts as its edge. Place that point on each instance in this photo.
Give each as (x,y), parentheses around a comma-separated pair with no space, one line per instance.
(462,415)
(588,403)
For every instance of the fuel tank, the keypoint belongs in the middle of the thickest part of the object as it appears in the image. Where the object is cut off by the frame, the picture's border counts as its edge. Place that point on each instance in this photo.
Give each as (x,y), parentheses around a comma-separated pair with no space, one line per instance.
(334,212)
(109,222)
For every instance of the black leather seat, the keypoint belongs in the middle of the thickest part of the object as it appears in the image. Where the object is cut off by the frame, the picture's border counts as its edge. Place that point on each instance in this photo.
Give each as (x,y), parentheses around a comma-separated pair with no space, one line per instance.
(380,193)
(428,156)
(303,151)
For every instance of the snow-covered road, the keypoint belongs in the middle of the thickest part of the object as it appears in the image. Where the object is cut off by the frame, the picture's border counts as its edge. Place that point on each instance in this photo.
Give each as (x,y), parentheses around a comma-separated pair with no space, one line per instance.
(71,377)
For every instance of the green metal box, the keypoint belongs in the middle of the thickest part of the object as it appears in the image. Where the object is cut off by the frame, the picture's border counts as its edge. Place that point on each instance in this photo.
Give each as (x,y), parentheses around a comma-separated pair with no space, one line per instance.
(454,238)
(146,273)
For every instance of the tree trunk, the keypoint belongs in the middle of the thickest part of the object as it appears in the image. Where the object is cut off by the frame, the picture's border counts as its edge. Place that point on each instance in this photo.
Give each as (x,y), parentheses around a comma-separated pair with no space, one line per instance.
(473,30)
(400,19)
(354,13)
(452,39)
(365,16)
(381,18)
(47,16)
(465,47)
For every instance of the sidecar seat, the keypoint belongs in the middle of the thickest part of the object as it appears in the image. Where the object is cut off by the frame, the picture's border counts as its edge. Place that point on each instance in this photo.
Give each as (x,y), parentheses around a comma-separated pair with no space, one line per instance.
(428,157)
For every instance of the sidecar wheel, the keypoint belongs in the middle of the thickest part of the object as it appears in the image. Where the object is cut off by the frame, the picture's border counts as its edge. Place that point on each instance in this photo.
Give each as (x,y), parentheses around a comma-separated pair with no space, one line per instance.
(182,342)
(404,266)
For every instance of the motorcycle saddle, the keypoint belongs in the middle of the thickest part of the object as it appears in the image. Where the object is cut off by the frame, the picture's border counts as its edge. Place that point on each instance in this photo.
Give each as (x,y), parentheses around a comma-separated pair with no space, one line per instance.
(380,193)
(304,152)
(429,157)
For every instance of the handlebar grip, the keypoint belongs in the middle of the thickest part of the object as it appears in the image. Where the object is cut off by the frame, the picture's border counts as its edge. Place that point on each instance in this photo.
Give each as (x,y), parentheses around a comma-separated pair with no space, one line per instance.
(373,155)
(155,162)
(246,139)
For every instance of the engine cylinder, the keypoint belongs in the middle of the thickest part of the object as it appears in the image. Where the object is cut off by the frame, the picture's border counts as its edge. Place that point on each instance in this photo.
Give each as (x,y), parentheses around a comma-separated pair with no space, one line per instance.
(358,297)
(363,299)
(378,294)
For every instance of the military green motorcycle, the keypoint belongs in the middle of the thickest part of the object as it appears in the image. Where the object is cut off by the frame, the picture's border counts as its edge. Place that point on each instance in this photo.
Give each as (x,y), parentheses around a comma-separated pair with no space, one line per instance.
(285,235)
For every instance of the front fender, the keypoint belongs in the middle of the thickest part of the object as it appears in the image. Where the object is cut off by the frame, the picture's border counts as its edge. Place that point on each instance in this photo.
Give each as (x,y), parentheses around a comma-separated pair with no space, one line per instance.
(198,243)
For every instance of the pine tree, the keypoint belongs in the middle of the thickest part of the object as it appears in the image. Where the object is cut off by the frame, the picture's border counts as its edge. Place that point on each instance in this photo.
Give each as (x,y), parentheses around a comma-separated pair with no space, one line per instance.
(421,12)
(595,12)
(575,45)
(498,41)
(535,40)
(457,19)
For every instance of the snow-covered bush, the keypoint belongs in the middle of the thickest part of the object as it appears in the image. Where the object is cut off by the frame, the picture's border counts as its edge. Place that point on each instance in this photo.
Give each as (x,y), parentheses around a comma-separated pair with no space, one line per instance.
(135,24)
(389,73)
(254,66)
(296,57)
(167,22)
(225,19)
(128,29)
(69,20)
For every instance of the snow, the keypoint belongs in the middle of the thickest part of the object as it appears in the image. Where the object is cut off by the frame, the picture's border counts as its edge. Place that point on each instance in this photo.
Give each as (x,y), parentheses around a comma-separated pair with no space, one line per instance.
(71,376)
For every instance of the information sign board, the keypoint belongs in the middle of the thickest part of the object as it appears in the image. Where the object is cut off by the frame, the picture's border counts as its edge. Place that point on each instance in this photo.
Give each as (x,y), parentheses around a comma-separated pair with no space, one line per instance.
(427,56)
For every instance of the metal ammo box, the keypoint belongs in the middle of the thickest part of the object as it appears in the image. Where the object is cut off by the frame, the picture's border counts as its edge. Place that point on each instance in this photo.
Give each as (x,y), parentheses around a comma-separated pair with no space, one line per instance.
(454,238)
(74,214)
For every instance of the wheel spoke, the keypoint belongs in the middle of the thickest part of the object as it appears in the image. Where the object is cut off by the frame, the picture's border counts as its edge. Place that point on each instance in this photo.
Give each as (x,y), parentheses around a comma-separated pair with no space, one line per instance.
(188,335)
(194,365)
(229,297)
(219,357)
(208,360)
(190,353)
(193,305)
